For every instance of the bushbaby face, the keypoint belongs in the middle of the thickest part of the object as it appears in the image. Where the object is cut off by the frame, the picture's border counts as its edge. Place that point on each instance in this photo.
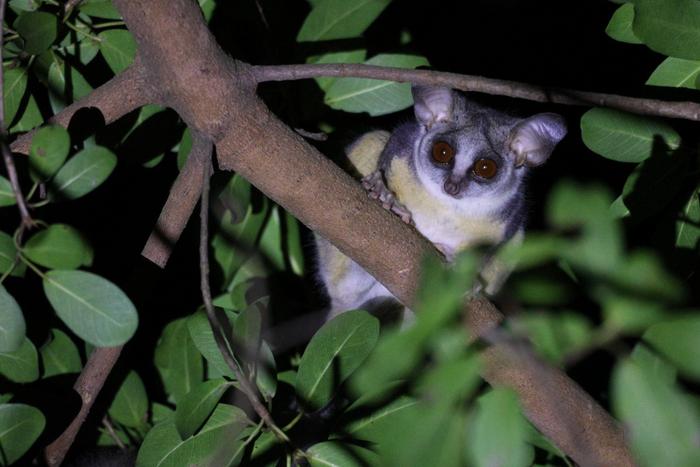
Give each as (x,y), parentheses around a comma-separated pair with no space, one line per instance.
(466,152)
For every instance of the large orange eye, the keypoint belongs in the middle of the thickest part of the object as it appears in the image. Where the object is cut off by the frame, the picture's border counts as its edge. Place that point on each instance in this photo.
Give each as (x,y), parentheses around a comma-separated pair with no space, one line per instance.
(485,168)
(443,153)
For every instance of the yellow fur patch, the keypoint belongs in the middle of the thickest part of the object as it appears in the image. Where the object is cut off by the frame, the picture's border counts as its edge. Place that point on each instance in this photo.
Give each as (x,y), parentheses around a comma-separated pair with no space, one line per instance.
(364,153)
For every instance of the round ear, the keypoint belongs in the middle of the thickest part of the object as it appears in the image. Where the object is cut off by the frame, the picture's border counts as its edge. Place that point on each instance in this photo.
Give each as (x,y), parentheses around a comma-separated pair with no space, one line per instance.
(433,104)
(532,140)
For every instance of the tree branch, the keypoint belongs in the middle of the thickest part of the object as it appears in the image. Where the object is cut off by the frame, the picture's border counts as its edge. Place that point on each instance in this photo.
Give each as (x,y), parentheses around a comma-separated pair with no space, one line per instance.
(220,336)
(27,220)
(125,92)
(673,109)
(88,385)
(181,202)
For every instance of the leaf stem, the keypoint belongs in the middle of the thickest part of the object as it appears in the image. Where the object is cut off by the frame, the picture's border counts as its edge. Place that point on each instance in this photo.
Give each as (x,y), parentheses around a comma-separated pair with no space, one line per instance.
(80,31)
(31,265)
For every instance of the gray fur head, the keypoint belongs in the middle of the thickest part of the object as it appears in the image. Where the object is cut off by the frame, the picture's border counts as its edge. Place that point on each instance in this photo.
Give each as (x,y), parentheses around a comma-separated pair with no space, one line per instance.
(464,150)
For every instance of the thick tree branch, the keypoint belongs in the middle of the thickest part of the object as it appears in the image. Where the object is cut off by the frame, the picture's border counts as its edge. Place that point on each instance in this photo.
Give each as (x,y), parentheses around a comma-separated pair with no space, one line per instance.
(125,92)
(181,202)
(686,110)
(88,385)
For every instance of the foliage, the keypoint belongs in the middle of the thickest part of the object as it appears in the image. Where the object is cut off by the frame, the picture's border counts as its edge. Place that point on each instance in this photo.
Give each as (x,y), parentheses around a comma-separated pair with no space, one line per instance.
(589,281)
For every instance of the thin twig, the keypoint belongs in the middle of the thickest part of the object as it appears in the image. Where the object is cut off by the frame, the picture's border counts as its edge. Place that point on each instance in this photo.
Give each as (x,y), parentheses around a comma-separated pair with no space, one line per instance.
(27,220)
(216,326)
(70,5)
(313,135)
(673,109)
(107,423)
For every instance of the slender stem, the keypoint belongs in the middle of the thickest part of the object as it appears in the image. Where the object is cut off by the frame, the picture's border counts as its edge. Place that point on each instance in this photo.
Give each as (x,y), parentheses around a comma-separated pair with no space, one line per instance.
(294,421)
(80,31)
(217,328)
(108,24)
(27,220)
(106,422)
(673,109)
(31,266)
(7,273)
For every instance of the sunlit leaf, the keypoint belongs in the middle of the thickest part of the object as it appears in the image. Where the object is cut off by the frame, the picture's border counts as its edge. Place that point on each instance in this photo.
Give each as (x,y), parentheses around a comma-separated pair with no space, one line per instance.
(59,246)
(12,325)
(60,355)
(677,340)
(620,25)
(118,47)
(624,137)
(340,19)
(333,354)
(49,150)
(22,365)
(91,306)
(677,73)
(14,86)
(99,8)
(196,406)
(373,96)
(671,27)
(38,29)
(177,360)
(20,427)
(84,172)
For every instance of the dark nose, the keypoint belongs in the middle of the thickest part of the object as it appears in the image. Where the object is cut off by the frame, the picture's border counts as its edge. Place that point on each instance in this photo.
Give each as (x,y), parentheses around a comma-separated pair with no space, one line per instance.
(453,187)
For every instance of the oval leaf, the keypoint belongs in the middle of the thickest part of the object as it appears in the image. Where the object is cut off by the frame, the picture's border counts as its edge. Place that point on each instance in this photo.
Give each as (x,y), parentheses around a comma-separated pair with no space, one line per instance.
(178,362)
(8,255)
(620,25)
(99,9)
(22,365)
(13,87)
(38,29)
(91,306)
(7,196)
(677,340)
(676,73)
(218,442)
(662,423)
(197,405)
(498,430)
(20,426)
(203,339)
(624,137)
(118,47)
(374,96)
(12,325)
(60,246)
(130,404)
(333,354)
(337,454)
(340,19)
(50,146)
(60,355)
(671,27)
(84,172)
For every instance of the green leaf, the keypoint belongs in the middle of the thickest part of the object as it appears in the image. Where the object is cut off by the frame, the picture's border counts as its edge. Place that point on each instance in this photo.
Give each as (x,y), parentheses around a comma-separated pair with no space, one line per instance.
(38,29)
(14,86)
(624,137)
(22,365)
(555,335)
(498,431)
(337,454)
(12,325)
(194,409)
(30,119)
(656,366)
(84,172)
(60,355)
(340,19)
(208,7)
(351,56)
(265,377)
(85,49)
(91,306)
(49,150)
(7,196)
(373,427)
(8,254)
(60,246)
(25,5)
(677,340)
(118,47)
(688,223)
(374,96)
(20,427)
(203,338)
(629,313)
(271,240)
(671,27)
(333,354)
(451,381)
(676,73)
(99,9)
(661,422)
(620,25)
(130,404)
(294,245)
(178,362)
(218,442)
(62,89)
